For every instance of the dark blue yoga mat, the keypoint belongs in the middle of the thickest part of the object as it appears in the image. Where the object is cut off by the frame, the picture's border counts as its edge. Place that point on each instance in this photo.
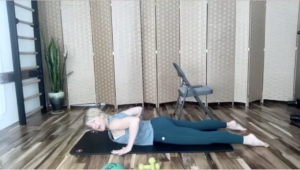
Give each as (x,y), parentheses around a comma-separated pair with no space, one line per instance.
(98,143)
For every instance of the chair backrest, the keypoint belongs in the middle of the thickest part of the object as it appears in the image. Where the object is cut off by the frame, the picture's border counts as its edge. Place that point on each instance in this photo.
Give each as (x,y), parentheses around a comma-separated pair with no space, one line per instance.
(181,74)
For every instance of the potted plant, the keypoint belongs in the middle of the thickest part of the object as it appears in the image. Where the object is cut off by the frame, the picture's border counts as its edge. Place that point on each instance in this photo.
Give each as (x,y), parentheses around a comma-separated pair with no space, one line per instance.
(56,75)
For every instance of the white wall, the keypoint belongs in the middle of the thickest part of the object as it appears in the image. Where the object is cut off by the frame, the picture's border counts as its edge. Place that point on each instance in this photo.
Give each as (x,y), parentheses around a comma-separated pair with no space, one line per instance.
(8,102)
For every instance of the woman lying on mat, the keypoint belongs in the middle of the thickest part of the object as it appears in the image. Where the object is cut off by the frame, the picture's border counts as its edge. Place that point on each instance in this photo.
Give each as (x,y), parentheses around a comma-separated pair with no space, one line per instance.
(127,128)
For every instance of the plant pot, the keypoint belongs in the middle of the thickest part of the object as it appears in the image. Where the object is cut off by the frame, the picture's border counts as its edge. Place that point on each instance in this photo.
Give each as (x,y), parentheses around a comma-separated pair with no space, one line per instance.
(57,102)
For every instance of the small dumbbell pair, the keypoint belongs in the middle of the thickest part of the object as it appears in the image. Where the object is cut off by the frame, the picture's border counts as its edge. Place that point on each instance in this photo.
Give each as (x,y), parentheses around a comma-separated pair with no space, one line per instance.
(152,165)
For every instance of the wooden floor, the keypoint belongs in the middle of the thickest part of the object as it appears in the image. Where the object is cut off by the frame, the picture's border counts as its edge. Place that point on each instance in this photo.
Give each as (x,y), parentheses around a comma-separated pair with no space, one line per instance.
(46,141)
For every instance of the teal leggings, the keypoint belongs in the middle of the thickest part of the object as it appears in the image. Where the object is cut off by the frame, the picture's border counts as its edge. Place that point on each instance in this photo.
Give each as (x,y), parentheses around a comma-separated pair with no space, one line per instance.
(181,132)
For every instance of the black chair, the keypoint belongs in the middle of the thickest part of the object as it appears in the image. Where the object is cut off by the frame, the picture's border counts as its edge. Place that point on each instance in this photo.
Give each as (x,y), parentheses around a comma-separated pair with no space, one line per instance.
(188,90)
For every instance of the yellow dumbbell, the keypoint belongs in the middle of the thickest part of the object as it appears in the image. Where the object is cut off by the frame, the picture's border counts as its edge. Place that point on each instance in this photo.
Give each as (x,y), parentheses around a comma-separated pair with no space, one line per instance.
(152,165)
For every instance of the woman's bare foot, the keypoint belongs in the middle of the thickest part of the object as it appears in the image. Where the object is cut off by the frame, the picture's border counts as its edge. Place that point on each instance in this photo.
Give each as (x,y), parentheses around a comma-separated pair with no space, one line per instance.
(232,125)
(252,140)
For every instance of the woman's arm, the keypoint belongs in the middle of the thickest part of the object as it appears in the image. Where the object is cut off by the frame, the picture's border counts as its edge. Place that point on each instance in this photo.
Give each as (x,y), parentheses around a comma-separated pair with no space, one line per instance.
(133,130)
(135,111)
(120,124)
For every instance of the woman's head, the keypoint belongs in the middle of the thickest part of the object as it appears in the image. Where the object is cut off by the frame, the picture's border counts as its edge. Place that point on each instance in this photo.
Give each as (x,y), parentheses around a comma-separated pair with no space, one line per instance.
(96,119)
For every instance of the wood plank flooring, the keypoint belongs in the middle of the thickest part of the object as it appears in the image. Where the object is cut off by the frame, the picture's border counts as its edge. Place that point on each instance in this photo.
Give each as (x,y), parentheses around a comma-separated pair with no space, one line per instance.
(46,141)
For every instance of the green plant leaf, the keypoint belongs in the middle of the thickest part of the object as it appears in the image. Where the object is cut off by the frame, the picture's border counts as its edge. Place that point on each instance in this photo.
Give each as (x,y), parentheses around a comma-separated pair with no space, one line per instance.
(50,63)
(54,63)
(58,71)
(46,54)
(64,71)
(53,58)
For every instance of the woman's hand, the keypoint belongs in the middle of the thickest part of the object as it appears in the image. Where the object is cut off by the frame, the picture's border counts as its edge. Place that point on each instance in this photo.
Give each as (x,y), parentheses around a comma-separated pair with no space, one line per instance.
(122,151)
(132,123)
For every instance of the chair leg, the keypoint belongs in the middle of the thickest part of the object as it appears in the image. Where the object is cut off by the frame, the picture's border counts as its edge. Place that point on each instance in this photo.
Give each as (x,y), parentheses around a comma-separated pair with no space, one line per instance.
(181,107)
(205,109)
(176,105)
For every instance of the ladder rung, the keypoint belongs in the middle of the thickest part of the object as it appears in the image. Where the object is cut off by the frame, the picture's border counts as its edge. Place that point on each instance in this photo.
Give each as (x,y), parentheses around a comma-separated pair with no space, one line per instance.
(28,53)
(30,68)
(33,96)
(24,7)
(27,38)
(25,22)
(34,111)
(31,82)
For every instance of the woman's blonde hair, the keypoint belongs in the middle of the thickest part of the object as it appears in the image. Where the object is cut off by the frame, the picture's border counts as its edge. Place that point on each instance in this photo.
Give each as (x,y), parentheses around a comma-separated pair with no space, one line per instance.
(92,113)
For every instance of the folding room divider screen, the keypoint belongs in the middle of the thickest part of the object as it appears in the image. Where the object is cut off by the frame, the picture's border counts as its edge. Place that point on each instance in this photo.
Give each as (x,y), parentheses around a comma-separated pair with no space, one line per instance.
(126,24)
(167,19)
(193,32)
(77,34)
(148,28)
(221,50)
(256,52)
(249,50)
(297,84)
(103,48)
(242,36)
(122,52)
(280,50)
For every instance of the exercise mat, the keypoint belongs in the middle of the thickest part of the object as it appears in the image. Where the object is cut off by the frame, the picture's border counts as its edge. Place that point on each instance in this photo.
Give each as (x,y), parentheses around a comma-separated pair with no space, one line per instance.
(98,143)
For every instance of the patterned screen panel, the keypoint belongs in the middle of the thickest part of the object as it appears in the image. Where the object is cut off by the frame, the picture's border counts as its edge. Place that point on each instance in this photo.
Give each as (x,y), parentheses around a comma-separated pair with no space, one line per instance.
(76,23)
(257,44)
(50,20)
(193,25)
(241,51)
(167,15)
(127,51)
(103,49)
(280,43)
(221,50)
(149,51)
(51,25)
